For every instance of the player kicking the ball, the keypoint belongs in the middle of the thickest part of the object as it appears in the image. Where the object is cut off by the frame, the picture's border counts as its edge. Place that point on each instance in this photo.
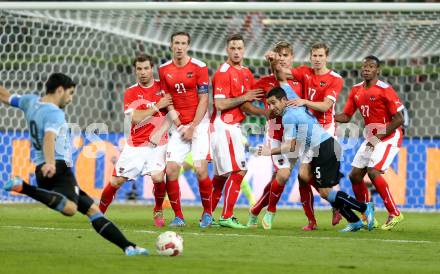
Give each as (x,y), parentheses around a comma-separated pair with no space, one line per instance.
(56,185)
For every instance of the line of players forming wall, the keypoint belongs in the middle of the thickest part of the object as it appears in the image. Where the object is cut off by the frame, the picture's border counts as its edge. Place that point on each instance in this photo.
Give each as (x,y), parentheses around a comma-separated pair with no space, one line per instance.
(99,62)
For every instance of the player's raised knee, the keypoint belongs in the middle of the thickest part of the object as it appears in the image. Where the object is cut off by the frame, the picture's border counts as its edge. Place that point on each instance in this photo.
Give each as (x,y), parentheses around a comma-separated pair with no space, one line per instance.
(70,209)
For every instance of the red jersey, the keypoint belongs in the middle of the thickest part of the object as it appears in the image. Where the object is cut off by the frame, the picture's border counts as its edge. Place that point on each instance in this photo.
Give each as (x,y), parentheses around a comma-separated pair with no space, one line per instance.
(230,82)
(185,84)
(267,83)
(377,104)
(137,97)
(318,87)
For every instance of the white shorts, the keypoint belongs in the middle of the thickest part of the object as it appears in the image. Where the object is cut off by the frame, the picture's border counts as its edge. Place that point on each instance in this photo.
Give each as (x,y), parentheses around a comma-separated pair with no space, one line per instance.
(140,161)
(380,157)
(281,160)
(179,149)
(308,156)
(228,148)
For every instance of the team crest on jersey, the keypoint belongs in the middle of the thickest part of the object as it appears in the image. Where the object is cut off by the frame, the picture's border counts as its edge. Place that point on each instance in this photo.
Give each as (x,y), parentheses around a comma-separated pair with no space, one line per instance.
(243,164)
(322,83)
(280,162)
(372,98)
(189,74)
(121,170)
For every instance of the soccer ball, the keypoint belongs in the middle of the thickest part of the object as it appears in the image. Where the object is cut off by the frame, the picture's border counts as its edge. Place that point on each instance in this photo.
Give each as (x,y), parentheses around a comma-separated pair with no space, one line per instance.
(169,244)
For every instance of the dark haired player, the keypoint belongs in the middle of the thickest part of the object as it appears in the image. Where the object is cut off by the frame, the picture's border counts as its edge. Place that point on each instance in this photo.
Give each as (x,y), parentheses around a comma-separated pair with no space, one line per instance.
(56,185)
(381,109)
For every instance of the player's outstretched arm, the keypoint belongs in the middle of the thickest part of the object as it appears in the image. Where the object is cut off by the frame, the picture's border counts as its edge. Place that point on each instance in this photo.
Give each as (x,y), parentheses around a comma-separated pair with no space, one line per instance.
(5,96)
(318,106)
(228,103)
(251,109)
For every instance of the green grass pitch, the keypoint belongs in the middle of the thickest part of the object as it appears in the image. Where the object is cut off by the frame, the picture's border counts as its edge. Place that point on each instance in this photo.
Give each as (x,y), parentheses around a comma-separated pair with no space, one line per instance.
(34,239)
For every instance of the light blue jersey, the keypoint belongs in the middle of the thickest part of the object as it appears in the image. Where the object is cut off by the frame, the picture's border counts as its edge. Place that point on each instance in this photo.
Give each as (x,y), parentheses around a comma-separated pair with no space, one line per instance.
(41,118)
(301,125)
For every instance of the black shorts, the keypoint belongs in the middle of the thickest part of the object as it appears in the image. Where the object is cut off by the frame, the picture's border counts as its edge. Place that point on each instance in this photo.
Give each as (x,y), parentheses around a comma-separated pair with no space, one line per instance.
(64,182)
(325,166)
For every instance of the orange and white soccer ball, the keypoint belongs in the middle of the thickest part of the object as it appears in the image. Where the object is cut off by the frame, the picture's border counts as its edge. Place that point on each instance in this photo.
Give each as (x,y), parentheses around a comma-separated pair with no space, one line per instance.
(169,243)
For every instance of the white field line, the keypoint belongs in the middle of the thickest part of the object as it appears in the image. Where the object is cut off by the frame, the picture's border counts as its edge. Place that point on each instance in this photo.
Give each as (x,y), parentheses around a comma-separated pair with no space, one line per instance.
(227,234)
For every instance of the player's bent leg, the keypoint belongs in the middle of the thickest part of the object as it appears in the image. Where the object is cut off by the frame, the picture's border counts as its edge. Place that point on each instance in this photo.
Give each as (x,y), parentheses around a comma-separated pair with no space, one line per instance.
(218,183)
(52,199)
(346,204)
(205,189)
(109,192)
(173,191)
(360,189)
(305,175)
(232,190)
(276,190)
(159,191)
(69,209)
(395,216)
(111,232)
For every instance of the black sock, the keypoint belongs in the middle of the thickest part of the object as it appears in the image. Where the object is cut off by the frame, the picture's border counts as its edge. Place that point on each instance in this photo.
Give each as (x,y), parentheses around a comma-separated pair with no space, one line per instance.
(349,214)
(52,199)
(109,231)
(344,200)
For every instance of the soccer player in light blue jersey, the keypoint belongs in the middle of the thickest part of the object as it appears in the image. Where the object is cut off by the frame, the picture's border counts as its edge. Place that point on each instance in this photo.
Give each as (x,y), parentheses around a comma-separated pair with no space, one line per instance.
(304,135)
(56,185)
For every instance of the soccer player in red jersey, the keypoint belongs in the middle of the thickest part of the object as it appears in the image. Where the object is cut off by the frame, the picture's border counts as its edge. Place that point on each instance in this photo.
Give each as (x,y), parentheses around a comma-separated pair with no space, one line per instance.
(186,80)
(381,109)
(144,152)
(232,92)
(274,137)
(321,87)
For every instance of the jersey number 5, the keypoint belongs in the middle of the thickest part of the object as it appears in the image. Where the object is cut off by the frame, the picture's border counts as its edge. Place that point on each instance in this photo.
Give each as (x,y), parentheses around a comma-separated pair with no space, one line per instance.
(180,88)
(34,135)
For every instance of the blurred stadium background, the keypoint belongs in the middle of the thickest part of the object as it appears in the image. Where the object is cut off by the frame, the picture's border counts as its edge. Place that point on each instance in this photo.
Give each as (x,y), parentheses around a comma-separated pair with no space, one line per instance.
(95,47)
